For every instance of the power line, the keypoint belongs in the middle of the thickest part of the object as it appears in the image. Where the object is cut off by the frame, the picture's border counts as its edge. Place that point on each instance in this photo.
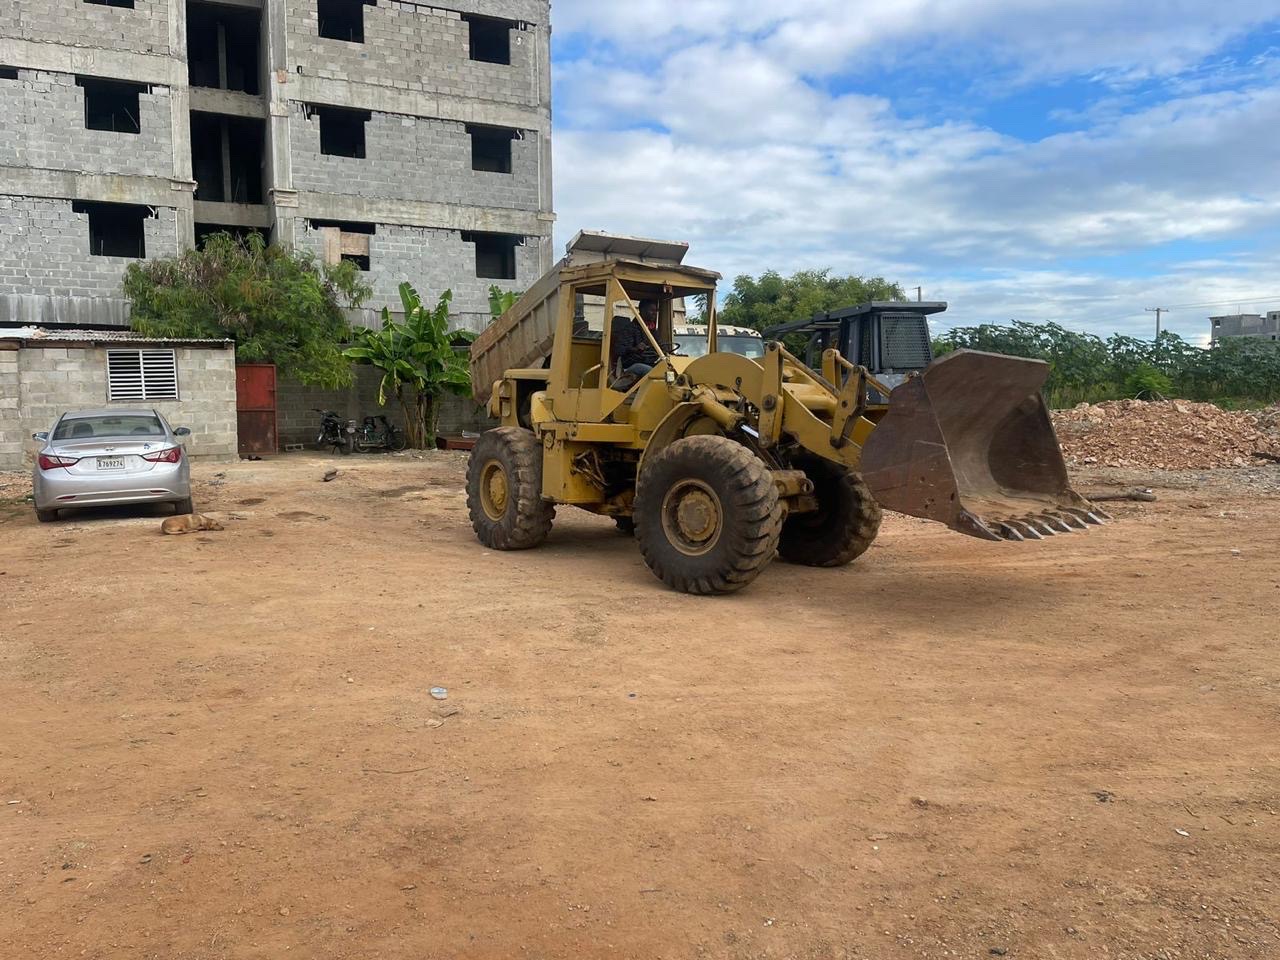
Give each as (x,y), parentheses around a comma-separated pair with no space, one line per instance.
(1219,303)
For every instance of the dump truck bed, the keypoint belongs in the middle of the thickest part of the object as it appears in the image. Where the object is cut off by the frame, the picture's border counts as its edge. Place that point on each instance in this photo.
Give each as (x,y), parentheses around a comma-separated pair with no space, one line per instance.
(521,337)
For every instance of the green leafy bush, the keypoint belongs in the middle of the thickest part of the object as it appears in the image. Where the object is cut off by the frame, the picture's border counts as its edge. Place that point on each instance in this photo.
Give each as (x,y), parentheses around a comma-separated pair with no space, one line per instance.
(280,306)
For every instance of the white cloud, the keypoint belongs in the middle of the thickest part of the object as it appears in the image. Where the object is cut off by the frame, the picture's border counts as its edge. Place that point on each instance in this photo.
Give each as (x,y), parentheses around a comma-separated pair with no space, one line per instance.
(1130,40)
(723,141)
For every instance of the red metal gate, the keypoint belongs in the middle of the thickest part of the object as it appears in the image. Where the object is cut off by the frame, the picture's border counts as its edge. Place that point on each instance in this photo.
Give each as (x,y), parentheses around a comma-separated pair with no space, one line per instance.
(256,407)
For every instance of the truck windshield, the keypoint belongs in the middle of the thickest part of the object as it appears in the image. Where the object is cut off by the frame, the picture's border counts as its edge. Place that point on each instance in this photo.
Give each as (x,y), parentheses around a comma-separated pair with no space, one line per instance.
(695,345)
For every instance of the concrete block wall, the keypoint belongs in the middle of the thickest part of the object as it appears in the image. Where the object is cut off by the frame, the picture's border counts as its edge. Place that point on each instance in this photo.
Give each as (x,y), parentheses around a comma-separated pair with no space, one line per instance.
(297,422)
(433,260)
(44,249)
(413,158)
(44,127)
(54,379)
(418,47)
(11,435)
(143,29)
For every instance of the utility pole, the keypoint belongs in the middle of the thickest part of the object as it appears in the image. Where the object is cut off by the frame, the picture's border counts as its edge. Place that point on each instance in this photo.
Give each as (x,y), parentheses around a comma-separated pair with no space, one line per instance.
(1157,311)
(919,297)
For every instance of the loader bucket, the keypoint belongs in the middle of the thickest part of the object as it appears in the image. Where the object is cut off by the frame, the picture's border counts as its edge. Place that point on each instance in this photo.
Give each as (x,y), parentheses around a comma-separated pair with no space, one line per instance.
(969,443)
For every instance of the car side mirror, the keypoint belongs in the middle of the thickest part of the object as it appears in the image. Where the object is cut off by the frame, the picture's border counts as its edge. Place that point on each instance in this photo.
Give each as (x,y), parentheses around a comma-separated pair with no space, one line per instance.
(182,432)
(40,436)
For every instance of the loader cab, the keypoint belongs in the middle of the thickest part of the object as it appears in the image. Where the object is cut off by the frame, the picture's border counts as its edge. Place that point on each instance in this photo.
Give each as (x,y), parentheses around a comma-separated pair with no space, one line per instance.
(585,384)
(889,338)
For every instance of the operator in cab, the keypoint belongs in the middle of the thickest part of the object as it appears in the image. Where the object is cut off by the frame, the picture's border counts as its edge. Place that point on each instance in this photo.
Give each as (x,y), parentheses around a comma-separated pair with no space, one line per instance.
(630,349)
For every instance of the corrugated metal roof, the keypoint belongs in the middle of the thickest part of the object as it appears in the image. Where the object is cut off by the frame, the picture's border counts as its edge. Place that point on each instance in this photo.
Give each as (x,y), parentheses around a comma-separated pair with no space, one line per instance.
(36,334)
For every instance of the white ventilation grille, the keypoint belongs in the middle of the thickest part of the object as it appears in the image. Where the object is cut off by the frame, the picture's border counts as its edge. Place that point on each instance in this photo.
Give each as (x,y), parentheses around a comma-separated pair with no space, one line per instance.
(142,375)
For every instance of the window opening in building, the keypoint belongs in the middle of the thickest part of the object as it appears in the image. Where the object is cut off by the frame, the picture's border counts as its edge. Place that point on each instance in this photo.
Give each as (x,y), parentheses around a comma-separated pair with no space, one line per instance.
(228,157)
(8,73)
(142,375)
(115,229)
(495,254)
(490,39)
(491,148)
(345,241)
(126,4)
(341,130)
(342,19)
(111,104)
(224,47)
(206,230)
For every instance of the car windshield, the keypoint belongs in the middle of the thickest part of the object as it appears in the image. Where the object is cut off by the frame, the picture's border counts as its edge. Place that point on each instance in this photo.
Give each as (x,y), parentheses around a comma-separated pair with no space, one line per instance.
(111,425)
(695,345)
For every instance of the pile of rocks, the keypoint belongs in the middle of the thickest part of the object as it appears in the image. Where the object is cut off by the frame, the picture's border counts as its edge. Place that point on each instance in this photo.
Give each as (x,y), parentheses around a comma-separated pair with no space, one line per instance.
(1269,419)
(1165,435)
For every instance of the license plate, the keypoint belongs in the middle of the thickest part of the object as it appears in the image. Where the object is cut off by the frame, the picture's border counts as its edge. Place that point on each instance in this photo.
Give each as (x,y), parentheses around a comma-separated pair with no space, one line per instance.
(111,463)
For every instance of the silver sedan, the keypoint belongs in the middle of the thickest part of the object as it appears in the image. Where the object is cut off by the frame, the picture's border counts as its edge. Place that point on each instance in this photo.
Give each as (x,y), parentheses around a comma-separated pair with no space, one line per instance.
(94,458)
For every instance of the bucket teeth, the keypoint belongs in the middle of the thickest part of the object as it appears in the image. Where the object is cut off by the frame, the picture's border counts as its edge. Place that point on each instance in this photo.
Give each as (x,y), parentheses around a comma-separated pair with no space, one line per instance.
(1007,531)
(1071,520)
(1028,532)
(1081,516)
(1057,520)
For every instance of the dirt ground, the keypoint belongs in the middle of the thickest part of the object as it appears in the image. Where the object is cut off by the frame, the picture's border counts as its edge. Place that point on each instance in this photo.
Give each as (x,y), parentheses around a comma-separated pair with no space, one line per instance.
(224,745)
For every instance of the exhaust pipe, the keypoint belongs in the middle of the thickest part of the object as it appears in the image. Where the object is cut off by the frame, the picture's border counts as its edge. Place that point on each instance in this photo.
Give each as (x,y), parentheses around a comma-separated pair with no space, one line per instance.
(969,443)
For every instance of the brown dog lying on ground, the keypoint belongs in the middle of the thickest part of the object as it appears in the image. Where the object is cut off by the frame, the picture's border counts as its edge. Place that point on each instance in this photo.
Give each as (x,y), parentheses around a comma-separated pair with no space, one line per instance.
(189,523)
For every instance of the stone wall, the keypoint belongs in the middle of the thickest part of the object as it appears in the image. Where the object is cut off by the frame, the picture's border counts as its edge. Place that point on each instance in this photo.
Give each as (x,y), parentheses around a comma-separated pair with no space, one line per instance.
(44,249)
(414,158)
(421,48)
(142,29)
(433,260)
(297,422)
(44,126)
(38,383)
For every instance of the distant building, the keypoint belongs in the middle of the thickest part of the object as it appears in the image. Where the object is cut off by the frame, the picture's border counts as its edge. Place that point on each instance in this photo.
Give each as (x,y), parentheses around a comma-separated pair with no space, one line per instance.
(1246,325)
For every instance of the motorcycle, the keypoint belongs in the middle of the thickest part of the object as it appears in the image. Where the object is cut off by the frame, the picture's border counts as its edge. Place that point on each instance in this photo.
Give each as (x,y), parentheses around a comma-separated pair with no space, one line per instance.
(335,432)
(379,433)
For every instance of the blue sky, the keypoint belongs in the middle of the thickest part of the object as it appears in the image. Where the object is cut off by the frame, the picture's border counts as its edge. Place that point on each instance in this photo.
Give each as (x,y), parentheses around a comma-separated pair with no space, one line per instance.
(1066,161)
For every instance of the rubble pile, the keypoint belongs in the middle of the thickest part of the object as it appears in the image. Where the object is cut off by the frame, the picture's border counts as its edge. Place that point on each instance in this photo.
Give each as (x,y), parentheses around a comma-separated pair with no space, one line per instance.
(1165,435)
(1269,419)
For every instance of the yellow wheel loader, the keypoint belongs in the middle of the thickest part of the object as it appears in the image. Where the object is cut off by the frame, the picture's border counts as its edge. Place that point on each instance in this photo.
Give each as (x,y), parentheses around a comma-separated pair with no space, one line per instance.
(719,462)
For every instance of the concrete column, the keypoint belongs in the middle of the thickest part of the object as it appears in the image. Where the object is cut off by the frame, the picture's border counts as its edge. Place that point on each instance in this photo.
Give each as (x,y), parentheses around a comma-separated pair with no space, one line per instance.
(546,204)
(282,195)
(180,133)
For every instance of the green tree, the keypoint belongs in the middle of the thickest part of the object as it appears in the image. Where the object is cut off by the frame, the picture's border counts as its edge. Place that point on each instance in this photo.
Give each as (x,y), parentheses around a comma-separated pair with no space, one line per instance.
(418,360)
(774,299)
(500,301)
(1085,367)
(280,306)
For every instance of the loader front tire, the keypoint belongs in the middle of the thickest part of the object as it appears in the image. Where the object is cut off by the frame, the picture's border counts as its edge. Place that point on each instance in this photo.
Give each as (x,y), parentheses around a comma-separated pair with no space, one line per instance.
(707,515)
(844,525)
(504,490)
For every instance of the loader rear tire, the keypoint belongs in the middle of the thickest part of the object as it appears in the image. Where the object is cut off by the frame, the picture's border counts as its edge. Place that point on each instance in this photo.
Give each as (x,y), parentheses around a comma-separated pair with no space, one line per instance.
(844,525)
(707,515)
(504,490)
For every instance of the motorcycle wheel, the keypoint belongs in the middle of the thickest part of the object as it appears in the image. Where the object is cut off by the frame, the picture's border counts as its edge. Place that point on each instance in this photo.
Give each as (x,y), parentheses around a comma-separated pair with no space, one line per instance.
(397,440)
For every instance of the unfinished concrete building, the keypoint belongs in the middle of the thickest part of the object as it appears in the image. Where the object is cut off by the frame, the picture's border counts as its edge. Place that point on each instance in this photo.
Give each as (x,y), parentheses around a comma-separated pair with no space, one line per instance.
(412,139)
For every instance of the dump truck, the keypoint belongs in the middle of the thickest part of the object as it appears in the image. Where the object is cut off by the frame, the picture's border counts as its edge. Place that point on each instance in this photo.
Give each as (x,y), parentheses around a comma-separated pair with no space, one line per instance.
(720,462)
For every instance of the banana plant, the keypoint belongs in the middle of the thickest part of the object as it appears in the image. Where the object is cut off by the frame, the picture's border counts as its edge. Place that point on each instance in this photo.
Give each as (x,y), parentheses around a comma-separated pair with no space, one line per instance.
(419,360)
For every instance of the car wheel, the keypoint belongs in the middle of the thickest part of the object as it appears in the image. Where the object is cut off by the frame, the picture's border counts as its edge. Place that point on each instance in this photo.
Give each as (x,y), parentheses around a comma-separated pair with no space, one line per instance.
(184,506)
(46,516)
